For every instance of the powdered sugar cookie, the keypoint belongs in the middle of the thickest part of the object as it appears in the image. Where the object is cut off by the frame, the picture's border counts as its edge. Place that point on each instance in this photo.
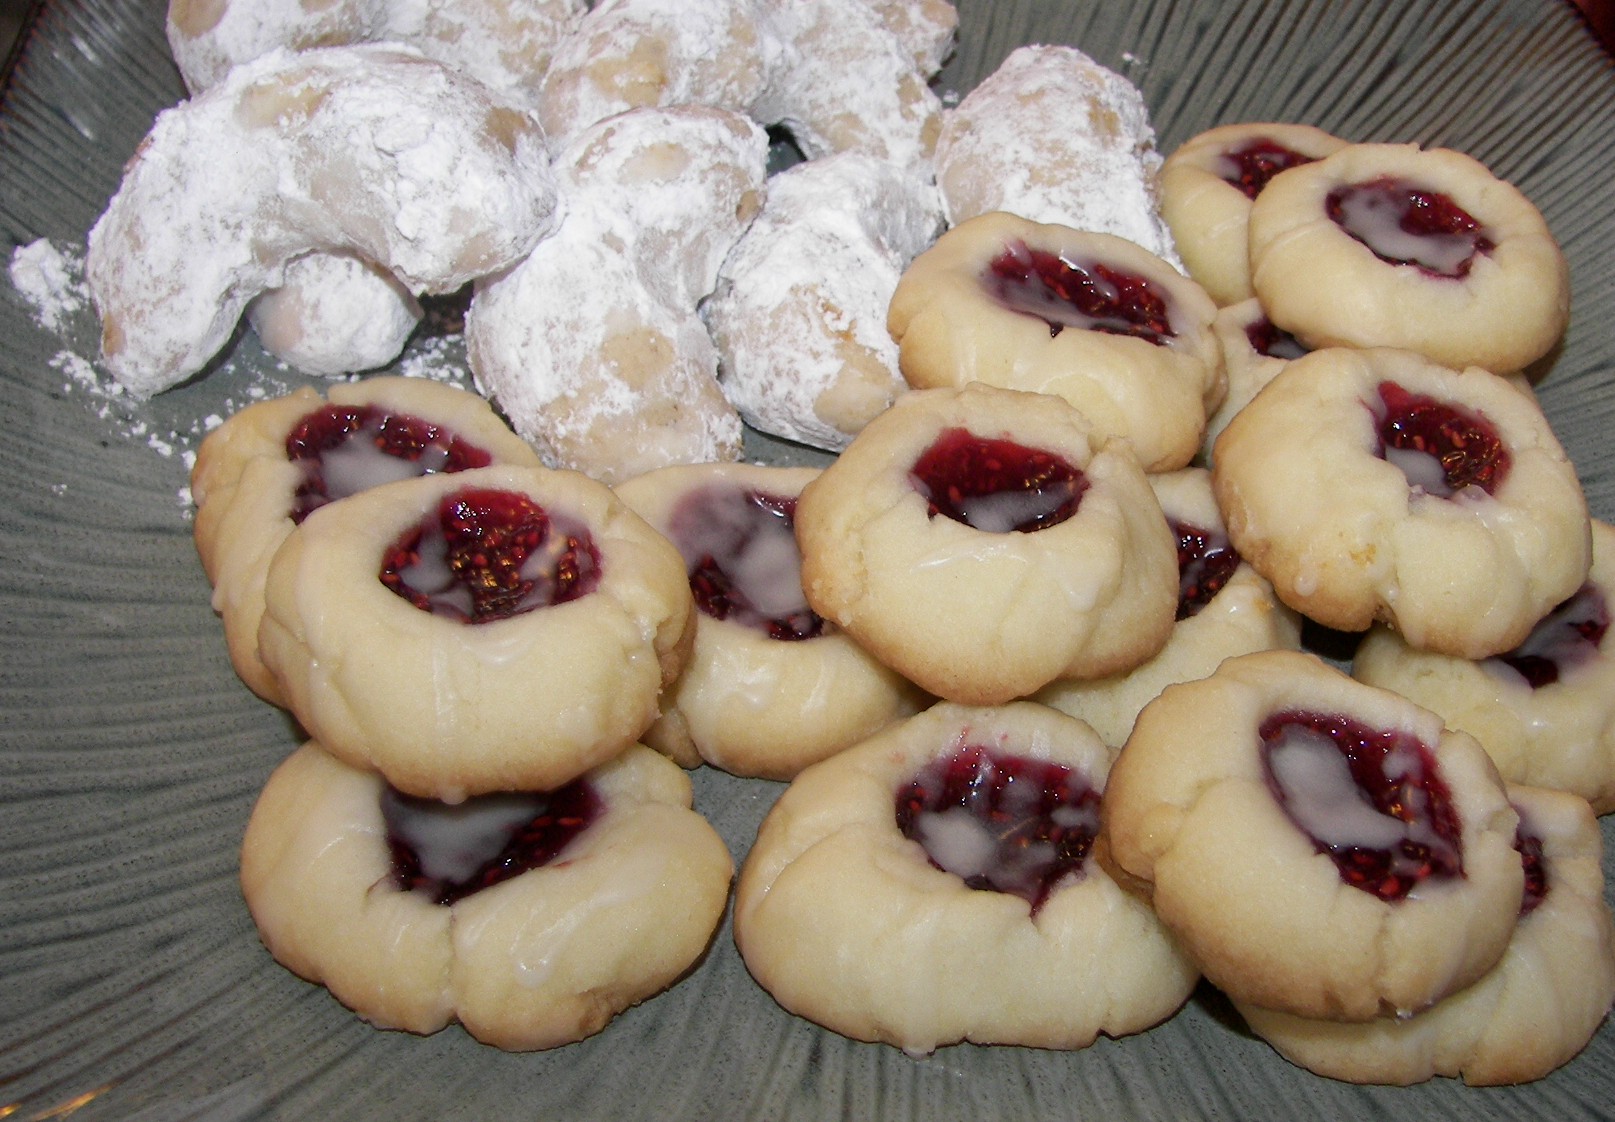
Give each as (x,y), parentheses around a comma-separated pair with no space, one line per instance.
(1224,609)
(592,345)
(407,625)
(1530,1014)
(1377,485)
(1544,711)
(799,314)
(268,466)
(983,543)
(1088,317)
(1054,137)
(1388,245)
(532,918)
(373,150)
(505,44)
(334,314)
(1319,847)
(770,686)
(1208,184)
(935,884)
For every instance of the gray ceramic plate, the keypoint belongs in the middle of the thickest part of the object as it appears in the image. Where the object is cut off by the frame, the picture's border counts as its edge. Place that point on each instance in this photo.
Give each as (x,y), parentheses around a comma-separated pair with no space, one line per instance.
(133,984)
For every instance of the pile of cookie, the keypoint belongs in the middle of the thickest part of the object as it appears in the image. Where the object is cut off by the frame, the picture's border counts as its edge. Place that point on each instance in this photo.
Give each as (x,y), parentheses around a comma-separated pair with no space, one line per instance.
(1028,650)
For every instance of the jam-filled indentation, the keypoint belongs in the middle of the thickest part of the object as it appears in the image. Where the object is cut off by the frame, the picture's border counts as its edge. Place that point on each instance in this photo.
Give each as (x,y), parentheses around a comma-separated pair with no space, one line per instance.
(1089,295)
(1001,822)
(1271,341)
(1252,165)
(1402,223)
(345,449)
(1442,448)
(739,549)
(1372,799)
(1206,561)
(1567,637)
(485,554)
(995,484)
(450,850)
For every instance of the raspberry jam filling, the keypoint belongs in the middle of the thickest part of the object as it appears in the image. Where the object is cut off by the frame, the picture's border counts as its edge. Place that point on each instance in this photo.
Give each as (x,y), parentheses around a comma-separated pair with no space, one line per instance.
(448,851)
(1001,823)
(739,548)
(1206,559)
(1252,165)
(345,449)
(1529,844)
(1567,637)
(1403,224)
(1088,295)
(1272,341)
(1440,447)
(1372,799)
(996,485)
(488,555)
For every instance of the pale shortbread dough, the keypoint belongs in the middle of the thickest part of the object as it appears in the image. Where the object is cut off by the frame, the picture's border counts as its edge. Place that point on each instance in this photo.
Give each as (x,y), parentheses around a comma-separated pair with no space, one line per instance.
(1244,616)
(952,330)
(1207,210)
(244,486)
(1529,1015)
(539,960)
(1559,735)
(1190,820)
(444,708)
(1347,539)
(1329,289)
(847,922)
(745,702)
(975,615)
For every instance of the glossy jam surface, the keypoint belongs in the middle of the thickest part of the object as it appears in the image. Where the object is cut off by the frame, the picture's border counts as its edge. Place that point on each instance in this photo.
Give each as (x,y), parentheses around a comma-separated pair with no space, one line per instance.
(345,449)
(1442,448)
(487,555)
(448,851)
(1206,559)
(1372,799)
(739,548)
(1252,165)
(996,485)
(1088,295)
(1567,637)
(1271,341)
(1405,224)
(1000,822)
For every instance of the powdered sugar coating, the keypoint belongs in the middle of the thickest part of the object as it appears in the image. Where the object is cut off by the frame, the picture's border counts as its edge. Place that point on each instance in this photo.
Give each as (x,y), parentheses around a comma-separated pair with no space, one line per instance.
(1054,137)
(334,314)
(505,44)
(799,315)
(592,345)
(374,150)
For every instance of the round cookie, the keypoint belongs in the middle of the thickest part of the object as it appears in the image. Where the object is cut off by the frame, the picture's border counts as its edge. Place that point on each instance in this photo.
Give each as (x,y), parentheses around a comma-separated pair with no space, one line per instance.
(503,628)
(1388,245)
(1253,353)
(982,542)
(373,150)
(1318,846)
(1544,711)
(1208,184)
(881,900)
(1224,609)
(1378,485)
(498,913)
(799,314)
(1089,317)
(1054,137)
(1530,1014)
(770,686)
(266,467)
